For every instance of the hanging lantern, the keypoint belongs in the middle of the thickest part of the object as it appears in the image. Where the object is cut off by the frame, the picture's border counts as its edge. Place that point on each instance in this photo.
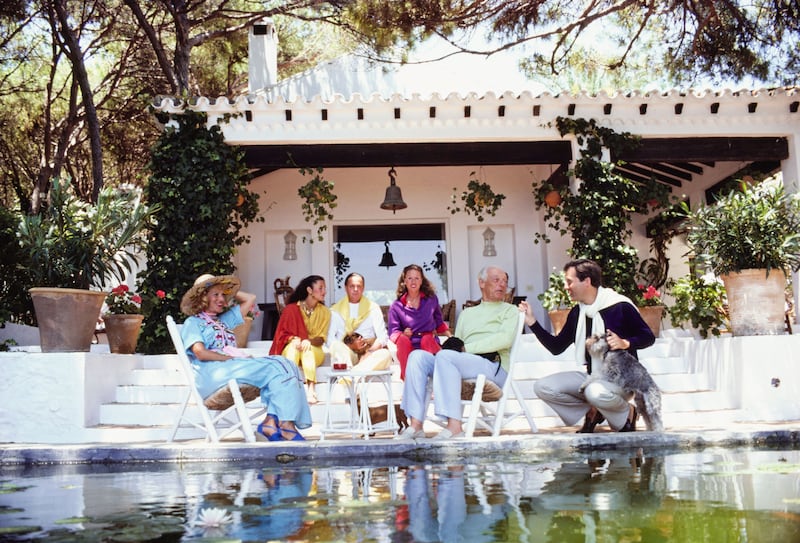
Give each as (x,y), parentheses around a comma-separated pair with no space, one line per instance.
(290,246)
(488,243)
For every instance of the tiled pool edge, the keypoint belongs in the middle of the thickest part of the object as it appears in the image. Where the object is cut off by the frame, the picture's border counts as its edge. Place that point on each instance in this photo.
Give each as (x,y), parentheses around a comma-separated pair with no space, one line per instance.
(332,451)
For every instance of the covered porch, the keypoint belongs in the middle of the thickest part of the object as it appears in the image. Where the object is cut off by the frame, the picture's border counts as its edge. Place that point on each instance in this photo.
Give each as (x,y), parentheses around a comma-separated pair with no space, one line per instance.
(690,141)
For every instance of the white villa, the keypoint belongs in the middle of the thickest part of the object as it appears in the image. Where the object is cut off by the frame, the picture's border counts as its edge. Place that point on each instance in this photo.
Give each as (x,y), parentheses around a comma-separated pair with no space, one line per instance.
(357,122)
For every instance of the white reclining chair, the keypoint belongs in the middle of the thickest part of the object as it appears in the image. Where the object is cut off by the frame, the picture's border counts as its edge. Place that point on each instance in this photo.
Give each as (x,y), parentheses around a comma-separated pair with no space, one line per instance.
(488,403)
(222,413)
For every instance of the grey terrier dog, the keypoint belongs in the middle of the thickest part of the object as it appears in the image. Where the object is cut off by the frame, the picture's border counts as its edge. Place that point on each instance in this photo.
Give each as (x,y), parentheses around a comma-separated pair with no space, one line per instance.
(622,368)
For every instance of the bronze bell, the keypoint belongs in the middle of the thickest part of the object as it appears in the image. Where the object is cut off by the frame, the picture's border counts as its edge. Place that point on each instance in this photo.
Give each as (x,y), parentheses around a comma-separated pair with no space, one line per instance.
(394,198)
(387,260)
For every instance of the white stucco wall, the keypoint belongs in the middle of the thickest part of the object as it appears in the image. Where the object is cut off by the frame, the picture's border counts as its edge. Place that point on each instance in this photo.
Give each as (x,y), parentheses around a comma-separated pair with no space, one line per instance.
(54,397)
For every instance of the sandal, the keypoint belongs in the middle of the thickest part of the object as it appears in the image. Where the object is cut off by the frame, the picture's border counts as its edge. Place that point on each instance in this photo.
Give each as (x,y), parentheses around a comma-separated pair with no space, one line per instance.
(275,435)
(296,437)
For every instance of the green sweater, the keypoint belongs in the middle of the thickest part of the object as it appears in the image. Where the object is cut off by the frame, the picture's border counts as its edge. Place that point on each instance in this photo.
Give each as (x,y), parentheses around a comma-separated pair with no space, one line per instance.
(489,327)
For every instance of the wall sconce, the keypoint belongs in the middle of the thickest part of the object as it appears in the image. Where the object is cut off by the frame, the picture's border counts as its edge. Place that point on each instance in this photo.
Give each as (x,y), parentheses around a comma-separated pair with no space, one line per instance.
(290,246)
(394,198)
(387,260)
(488,243)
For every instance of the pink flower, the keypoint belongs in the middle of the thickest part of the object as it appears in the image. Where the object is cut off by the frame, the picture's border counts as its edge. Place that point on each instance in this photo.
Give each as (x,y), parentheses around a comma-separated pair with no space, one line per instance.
(121,301)
(649,295)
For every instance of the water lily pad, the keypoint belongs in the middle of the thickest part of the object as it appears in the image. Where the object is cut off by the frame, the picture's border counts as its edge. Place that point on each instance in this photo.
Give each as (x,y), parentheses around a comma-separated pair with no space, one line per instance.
(7,530)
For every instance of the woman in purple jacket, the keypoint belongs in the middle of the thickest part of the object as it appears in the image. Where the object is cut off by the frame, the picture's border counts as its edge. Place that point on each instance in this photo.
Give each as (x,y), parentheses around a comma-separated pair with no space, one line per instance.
(415,317)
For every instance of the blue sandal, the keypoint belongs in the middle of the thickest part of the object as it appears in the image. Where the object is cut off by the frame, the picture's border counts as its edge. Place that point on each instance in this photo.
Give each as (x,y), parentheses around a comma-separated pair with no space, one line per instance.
(296,437)
(276,435)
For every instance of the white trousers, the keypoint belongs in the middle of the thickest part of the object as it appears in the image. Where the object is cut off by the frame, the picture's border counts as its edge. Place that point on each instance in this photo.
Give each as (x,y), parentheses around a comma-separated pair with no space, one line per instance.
(448,368)
(560,392)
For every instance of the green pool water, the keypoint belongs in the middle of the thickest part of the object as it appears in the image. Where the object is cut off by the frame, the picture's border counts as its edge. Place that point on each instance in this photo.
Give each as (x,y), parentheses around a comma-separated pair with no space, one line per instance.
(713,495)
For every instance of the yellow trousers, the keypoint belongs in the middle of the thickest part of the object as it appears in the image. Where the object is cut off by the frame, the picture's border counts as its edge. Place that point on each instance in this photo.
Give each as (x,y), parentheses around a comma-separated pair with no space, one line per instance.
(309,360)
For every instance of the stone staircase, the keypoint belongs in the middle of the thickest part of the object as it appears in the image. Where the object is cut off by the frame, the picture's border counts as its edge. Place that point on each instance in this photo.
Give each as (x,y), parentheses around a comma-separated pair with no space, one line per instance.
(147,402)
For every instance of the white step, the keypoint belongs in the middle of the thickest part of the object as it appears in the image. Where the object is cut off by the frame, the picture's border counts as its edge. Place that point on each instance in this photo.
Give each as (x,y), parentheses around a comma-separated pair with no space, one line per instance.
(144,377)
(130,394)
(147,403)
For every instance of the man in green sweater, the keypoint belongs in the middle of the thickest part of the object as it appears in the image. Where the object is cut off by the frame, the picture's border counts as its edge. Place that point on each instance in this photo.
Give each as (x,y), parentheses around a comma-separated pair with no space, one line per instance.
(487,331)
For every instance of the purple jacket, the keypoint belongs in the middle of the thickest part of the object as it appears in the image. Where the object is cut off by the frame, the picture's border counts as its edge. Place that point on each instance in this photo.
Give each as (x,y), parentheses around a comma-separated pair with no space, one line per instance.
(425,319)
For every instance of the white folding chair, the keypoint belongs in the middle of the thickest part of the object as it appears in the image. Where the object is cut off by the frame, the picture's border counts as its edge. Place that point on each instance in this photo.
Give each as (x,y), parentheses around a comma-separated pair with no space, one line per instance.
(488,403)
(222,413)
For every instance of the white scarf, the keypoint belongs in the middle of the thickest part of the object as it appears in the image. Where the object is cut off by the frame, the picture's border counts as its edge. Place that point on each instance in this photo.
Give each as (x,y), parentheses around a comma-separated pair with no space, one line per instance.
(605,298)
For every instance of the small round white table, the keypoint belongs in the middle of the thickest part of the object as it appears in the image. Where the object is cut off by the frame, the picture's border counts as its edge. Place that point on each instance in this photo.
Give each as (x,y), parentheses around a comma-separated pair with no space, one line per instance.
(357,383)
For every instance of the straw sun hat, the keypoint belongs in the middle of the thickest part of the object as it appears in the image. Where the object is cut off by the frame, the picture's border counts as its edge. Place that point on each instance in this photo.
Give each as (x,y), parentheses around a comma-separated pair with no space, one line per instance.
(193,302)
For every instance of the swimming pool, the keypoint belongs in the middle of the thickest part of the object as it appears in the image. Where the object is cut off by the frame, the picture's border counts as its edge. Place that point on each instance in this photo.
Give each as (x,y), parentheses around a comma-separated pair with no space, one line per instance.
(716,494)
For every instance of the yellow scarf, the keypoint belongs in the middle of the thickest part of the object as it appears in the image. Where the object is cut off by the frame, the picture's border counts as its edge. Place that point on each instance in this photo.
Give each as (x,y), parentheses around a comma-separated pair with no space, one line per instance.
(318,322)
(342,307)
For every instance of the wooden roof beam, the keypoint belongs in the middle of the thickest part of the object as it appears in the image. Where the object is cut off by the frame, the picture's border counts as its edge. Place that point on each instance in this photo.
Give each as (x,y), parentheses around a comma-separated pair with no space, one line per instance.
(703,149)
(362,155)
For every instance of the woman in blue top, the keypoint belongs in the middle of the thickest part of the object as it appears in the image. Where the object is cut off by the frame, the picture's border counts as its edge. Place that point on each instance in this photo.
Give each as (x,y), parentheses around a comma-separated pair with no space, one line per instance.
(211,347)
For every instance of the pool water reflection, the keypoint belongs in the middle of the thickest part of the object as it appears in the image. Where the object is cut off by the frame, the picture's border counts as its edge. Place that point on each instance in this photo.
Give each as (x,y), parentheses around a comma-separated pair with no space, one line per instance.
(712,495)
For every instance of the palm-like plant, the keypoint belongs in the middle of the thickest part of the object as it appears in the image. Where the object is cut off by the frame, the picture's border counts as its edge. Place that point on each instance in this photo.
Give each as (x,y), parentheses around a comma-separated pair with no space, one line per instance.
(74,244)
(756,227)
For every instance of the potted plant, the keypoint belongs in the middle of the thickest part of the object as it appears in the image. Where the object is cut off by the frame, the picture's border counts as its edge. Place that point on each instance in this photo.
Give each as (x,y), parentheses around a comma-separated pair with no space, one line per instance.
(318,201)
(651,307)
(75,245)
(556,300)
(479,199)
(699,301)
(123,318)
(750,238)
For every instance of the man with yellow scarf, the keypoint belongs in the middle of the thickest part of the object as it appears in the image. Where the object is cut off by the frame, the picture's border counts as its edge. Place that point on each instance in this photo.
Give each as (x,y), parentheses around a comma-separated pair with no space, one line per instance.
(356,314)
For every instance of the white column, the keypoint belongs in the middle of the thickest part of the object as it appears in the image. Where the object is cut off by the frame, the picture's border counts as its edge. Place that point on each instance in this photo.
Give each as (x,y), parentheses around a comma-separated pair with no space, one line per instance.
(790,168)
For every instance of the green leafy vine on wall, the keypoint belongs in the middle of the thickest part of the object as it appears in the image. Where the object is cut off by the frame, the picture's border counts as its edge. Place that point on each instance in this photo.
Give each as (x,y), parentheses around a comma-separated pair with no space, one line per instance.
(202,184)
(598,216)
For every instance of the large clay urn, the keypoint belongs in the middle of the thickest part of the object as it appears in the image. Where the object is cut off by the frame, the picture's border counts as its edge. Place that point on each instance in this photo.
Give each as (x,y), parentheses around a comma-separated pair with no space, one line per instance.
(122,332)
(67,317)
(756,302)
(652,315)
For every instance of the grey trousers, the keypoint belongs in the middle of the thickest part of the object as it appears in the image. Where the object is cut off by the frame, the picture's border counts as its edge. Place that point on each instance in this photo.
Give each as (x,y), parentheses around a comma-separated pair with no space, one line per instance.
(560,392)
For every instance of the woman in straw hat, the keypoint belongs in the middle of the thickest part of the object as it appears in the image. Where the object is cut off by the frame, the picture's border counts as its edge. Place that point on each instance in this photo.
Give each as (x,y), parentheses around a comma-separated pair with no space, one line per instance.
(211,347)
(303,328)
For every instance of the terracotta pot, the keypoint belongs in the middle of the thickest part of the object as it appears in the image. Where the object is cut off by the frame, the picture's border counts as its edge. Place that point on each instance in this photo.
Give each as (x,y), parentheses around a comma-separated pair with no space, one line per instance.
(122,332)
(756,303)
(67,317)
(552,198)
(242,332)
(652,315)
(557,318)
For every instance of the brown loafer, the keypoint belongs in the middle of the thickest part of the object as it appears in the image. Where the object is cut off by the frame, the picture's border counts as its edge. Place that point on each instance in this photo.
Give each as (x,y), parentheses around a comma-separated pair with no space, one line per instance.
(590,422)
(630,424)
